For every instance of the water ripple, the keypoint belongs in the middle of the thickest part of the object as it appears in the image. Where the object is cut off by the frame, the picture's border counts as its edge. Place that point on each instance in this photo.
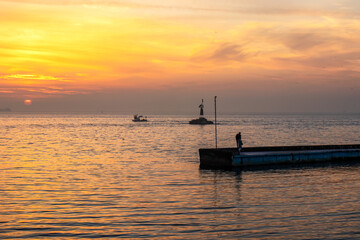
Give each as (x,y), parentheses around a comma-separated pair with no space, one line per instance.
(94,176)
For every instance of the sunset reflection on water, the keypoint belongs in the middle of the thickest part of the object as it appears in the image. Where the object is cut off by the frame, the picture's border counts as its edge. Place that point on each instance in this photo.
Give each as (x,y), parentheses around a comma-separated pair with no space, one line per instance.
(103,176)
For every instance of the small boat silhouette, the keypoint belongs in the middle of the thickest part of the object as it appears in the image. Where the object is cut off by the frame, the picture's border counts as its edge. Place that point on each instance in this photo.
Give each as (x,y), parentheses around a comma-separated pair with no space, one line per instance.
(139,118)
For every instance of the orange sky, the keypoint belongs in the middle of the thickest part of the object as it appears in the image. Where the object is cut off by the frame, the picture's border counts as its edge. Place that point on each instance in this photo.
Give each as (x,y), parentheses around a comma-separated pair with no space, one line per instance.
(56,49)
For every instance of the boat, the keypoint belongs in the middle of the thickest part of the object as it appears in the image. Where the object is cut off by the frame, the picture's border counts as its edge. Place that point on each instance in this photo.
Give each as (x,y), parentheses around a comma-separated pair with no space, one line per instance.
(139,118)
(268,156)
(201,120)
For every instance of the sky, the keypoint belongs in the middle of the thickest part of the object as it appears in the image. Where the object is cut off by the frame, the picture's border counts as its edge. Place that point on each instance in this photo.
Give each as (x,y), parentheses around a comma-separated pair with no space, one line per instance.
(162,57)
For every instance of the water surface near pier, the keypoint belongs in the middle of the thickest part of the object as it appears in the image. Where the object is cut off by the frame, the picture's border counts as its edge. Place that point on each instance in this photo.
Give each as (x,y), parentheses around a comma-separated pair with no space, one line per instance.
(78,176)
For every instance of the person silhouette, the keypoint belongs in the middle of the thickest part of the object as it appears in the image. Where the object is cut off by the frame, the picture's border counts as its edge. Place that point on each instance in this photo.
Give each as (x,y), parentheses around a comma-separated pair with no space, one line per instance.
(239,142)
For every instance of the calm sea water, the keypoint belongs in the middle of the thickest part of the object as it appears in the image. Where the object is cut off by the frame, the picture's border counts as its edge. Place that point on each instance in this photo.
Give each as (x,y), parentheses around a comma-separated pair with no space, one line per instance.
(85,176)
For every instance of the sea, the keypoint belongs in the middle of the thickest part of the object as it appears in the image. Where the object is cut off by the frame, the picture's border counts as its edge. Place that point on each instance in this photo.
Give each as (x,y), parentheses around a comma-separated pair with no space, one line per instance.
(102,176)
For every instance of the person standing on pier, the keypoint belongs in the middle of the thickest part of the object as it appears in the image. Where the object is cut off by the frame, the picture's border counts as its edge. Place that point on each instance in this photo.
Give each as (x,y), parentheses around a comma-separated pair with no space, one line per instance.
(239,142)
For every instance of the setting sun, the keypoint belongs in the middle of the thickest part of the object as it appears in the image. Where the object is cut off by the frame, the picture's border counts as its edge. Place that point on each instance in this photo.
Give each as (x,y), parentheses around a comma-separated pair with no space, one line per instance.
(28,102)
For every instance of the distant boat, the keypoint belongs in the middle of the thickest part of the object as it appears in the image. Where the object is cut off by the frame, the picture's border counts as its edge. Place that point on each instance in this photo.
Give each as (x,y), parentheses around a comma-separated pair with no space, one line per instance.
(139,118)
(201,120)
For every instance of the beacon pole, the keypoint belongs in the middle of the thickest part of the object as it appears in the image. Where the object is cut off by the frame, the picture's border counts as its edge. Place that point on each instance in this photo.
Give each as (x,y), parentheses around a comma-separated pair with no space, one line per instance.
(215,123)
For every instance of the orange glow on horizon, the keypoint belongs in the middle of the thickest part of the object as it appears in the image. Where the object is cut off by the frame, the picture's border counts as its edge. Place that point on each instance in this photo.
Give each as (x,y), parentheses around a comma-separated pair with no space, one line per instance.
(28,102)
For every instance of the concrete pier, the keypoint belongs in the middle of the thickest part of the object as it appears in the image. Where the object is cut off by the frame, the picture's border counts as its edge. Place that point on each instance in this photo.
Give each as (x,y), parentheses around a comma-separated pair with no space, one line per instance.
(261,156)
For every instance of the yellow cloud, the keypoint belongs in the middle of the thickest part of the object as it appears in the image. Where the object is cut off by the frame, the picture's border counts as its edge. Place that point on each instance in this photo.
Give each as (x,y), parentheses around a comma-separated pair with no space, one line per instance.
(103,46)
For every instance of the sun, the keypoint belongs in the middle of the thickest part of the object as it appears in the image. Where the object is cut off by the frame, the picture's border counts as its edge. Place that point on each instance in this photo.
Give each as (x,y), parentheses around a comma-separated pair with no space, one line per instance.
(27,102)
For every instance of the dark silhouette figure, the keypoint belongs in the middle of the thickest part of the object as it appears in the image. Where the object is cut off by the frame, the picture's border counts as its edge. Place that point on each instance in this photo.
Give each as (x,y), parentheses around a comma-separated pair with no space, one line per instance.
(201,106)
(239,142)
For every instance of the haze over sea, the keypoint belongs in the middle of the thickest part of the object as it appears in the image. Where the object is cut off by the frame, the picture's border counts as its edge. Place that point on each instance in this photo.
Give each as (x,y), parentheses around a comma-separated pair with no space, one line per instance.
(74,176)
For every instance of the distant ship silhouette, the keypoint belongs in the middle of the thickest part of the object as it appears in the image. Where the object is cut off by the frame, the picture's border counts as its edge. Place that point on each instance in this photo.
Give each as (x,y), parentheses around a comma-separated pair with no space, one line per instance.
(201,120)
(139,118)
